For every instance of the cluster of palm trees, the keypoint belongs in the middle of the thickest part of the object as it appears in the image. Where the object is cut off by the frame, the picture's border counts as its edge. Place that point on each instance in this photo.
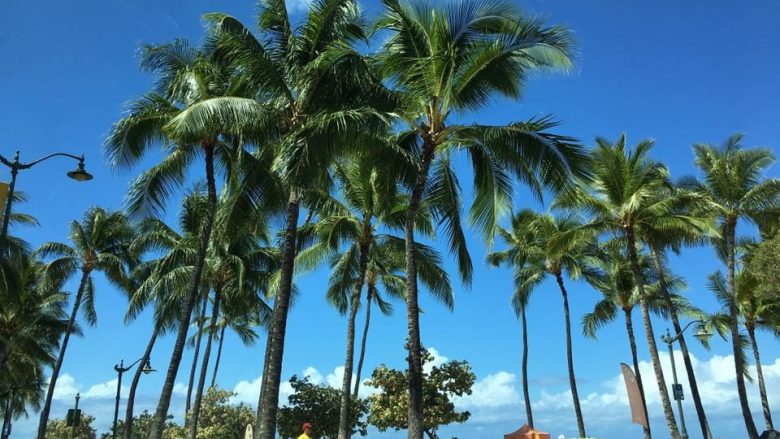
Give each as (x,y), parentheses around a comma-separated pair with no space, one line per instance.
(615,229)
(299,118)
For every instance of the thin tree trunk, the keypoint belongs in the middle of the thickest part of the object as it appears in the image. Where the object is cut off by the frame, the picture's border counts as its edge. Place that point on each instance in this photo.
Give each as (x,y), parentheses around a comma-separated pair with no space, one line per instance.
(570,358)
(8,415)
(635,359)
(731,227)
(263,379)
(369,296)
(204,368)
(528,412)
(671,423)
(219,355)
(43,423)
(195,357)
(705,428)
(192,293)
(273,374)
(134,384)
(414,346)
(344,410)
(761,385)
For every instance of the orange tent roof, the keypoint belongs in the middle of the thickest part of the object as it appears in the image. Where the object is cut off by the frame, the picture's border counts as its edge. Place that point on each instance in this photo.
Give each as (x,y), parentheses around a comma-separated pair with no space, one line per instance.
(526,432)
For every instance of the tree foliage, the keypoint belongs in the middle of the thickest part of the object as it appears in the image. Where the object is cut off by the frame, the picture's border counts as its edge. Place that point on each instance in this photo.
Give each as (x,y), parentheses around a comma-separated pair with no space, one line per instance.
(389,408)
(319,404)
(58,429)
(763,262)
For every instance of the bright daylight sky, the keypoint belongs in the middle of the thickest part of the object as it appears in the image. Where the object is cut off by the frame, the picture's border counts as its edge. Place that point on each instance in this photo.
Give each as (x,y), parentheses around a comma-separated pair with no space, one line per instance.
(680,72)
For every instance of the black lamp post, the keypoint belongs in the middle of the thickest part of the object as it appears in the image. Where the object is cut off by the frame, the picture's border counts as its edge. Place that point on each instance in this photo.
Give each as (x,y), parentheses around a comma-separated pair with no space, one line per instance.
(120,369)
(78,174)
(677,391)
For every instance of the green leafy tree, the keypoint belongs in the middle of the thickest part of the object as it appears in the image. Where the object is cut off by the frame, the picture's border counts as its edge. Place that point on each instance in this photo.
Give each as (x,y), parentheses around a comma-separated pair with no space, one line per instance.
(100,243)
(142,428)
(389,408)
(763,259)
(197,108)
(756,312)
(58,429)
(449,60)
(320,100)
(732,180)
(222,419)
(538,252)
(320,405)
(626,200)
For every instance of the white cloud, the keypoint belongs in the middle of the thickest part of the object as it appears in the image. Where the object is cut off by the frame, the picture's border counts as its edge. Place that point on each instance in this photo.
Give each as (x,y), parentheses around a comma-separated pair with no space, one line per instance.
(104,390)
(495,390)
(66,387)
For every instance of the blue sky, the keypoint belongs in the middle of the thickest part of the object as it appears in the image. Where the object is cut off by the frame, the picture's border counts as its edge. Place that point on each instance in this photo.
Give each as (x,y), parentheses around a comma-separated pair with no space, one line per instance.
(679,72)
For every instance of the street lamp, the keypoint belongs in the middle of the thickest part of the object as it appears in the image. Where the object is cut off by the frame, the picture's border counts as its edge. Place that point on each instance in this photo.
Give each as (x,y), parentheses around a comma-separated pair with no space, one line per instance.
(703,335)
(120,369)
(79,174)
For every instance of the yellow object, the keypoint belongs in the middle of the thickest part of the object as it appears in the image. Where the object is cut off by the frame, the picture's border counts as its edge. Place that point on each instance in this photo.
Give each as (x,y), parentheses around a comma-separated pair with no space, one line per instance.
(304,436)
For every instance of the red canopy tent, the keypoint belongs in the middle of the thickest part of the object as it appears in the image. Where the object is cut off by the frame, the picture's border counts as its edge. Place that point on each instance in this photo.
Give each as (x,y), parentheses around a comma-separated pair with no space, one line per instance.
(526,432)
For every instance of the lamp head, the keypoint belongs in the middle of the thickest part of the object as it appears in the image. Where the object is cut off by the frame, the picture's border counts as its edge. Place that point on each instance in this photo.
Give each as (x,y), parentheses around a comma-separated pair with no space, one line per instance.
(147,369)
(80,174)
(703,335)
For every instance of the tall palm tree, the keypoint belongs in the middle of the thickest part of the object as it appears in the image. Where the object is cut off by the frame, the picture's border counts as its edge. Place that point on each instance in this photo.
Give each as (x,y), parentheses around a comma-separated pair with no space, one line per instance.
(618,286)
(370,202)
(520,297)
(100,242)
(196,107)
(755,312)
(626,200)
(452,59)
(732,180)
(658,244)
(536,253)
(319,99)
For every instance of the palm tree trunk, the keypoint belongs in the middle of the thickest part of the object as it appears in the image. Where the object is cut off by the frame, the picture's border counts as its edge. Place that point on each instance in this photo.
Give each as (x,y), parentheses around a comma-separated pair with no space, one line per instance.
(263,379)
(204,368)
(528,412)
(635,359)
(134,383)
(570,358)
(731,230)
(43,423)
(416,425)
(189,302)
(369,296)
(761,385)
(8,415)
(195,356)
(705,428)
(671,423)
(273,374)
(219,355)
(344,415)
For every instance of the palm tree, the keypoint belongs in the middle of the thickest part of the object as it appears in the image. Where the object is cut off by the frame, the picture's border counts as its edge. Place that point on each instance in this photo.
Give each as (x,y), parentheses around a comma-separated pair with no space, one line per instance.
(319,99)
(100,242)
(755,312)
(454,59)
(618,286)
(535,254)
(626,199)
(733,183)
(520,297)
(196,107)
(370,201)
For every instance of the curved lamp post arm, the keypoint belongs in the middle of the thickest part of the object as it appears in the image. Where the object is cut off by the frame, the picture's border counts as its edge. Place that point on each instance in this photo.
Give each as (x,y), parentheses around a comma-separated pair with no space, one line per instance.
(16,164)
(121,369)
